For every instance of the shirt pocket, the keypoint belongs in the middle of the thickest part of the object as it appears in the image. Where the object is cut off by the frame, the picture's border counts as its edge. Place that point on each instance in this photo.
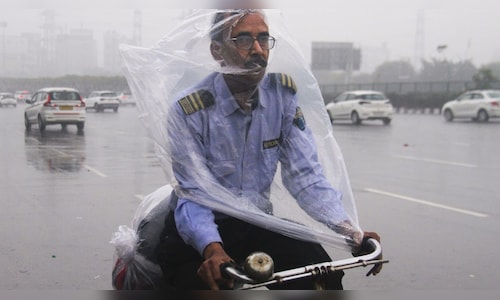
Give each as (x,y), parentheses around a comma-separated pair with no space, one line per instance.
(270,161)
(221,158)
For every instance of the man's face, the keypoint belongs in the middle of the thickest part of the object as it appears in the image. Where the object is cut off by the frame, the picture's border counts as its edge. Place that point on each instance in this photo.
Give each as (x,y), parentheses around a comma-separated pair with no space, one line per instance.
(250,63)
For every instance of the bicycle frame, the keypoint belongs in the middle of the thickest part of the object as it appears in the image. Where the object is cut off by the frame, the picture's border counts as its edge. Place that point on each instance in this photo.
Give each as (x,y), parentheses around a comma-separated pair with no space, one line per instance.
(315,270)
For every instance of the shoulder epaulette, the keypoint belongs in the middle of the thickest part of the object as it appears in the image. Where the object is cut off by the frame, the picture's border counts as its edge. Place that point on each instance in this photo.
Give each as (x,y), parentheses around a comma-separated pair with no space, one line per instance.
(196,101)
(285,81)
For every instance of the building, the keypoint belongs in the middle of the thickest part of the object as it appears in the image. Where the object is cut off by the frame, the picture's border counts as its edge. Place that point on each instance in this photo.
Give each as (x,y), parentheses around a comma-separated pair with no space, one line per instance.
(76,53)
(112,60)
(25,55)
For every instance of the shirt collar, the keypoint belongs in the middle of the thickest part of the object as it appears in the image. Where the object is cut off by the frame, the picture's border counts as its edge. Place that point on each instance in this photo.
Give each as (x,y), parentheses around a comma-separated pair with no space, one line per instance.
(226,100)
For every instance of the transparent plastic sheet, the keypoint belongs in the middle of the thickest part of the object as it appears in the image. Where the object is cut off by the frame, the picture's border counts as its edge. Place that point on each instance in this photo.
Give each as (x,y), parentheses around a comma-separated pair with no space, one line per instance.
(160,76)
(135,268)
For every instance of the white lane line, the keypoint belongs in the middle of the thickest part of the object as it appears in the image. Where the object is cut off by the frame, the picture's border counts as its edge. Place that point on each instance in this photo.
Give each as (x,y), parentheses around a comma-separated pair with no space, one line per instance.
(95,171)
(445,162)
(433,204)
(59,151)
(140,197)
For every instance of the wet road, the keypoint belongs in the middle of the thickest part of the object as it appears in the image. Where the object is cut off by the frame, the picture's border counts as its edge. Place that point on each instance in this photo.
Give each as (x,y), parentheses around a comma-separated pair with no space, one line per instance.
(431,190)
(428,187)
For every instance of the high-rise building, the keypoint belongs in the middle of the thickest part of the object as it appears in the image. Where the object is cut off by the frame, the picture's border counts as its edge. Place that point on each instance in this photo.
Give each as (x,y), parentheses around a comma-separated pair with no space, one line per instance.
(112,60)
(76,53)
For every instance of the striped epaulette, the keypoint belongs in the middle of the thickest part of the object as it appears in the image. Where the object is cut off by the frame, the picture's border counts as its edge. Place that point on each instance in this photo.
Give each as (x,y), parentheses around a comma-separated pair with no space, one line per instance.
(196,101)
(284,80)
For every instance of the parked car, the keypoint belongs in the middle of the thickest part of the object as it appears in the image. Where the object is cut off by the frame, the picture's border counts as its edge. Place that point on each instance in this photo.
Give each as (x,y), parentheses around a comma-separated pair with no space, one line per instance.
(7,99)
(358,106)
(21,96)
(101,100)
(55,105)
(126,98)
(478,105)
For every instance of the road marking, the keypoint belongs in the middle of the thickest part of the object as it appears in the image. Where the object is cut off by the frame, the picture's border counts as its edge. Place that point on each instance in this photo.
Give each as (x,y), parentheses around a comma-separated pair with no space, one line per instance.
(445,162)
(433,204)
(95,171)
(140,197)
(59,151)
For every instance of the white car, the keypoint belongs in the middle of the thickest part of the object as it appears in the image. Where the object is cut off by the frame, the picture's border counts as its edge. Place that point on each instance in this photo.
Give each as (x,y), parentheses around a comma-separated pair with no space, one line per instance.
(478,105)
(126,98)
(358,106)
(7,99)
(55,105)
(101,100)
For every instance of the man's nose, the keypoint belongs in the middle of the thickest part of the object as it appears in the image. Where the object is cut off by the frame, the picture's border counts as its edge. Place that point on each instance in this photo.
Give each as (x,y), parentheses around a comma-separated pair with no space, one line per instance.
(256,47)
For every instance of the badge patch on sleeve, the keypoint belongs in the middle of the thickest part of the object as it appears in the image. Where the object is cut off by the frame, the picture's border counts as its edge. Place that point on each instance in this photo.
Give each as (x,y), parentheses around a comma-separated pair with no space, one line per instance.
(299,119)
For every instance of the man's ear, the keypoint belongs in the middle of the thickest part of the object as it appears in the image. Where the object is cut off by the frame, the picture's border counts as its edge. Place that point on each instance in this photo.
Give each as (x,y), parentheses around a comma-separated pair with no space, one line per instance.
(216,50)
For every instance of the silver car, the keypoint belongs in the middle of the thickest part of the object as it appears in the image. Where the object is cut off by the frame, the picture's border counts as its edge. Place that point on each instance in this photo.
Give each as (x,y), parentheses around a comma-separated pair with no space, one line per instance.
(477,105)
(55,105)
(101,100)
(7,99)
(358,106)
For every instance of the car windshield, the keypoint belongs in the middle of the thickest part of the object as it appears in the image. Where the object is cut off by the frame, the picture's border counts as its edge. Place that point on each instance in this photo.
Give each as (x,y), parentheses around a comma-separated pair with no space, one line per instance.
(110,94)
(64,95)
(494,94)
(6,95)
(371,97)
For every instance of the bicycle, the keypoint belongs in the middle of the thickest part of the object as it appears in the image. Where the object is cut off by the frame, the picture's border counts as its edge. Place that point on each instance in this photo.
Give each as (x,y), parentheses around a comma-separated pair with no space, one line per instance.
(258,269)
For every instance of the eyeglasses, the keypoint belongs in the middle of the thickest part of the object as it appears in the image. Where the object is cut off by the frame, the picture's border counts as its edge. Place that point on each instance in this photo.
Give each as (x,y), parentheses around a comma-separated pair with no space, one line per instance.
(245,42)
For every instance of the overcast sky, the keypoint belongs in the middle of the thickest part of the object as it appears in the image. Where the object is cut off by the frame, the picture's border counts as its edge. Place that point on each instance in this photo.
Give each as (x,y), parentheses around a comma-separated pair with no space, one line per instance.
(470,29)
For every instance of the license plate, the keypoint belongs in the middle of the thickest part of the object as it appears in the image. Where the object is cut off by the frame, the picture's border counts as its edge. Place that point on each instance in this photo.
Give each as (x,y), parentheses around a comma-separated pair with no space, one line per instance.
(65,107)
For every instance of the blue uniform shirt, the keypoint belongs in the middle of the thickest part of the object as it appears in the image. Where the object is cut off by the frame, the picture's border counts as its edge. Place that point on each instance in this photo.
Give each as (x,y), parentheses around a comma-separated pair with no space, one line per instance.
(241,151)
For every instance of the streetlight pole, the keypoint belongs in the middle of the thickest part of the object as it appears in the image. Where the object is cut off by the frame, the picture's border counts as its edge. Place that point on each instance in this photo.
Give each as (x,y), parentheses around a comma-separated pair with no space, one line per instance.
(3,24)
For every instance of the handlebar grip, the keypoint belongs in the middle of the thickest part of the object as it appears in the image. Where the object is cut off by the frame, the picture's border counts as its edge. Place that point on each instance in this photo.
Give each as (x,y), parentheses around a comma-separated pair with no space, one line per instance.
(224,269)
(230,270)
(365,248)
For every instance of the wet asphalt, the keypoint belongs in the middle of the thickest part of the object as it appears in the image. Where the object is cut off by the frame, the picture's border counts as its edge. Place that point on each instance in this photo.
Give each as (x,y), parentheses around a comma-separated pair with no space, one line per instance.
(429,188)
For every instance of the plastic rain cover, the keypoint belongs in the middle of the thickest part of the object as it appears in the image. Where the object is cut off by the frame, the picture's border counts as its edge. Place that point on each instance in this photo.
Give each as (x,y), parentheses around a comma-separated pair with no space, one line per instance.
(172,69)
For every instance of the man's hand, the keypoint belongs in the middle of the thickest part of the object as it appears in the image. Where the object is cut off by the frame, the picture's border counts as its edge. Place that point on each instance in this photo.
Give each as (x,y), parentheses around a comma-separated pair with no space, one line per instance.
(365,248)
(209,270)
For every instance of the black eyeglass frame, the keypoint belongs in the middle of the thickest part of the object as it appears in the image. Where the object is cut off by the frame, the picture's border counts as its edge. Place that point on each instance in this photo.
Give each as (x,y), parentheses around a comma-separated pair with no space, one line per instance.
(268,40)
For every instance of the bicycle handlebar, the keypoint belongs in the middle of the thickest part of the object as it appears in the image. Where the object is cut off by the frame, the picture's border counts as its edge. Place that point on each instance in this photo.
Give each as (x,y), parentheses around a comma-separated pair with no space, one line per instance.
(239,275)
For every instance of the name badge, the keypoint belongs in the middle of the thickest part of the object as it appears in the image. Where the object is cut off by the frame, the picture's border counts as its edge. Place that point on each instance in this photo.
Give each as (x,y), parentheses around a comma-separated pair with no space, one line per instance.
(270,144)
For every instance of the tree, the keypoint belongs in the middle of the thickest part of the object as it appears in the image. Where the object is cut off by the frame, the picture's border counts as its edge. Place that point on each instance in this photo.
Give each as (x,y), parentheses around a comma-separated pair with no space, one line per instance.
(445,70)
(494,67)
(484,78)
(394,71)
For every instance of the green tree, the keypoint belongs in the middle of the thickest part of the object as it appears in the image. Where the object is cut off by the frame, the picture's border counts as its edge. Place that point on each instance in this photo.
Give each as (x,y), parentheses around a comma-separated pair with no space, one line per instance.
(483,78)
(494,67)
(394,71)
(445,70)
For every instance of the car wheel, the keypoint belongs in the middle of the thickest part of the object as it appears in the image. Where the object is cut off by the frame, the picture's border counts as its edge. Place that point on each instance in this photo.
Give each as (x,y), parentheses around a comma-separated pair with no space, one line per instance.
(96,107)
(448,115)
(355,118)
(27,123)
(41,124)
(386,121)
(80,126)
(115,109)
(482,116)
